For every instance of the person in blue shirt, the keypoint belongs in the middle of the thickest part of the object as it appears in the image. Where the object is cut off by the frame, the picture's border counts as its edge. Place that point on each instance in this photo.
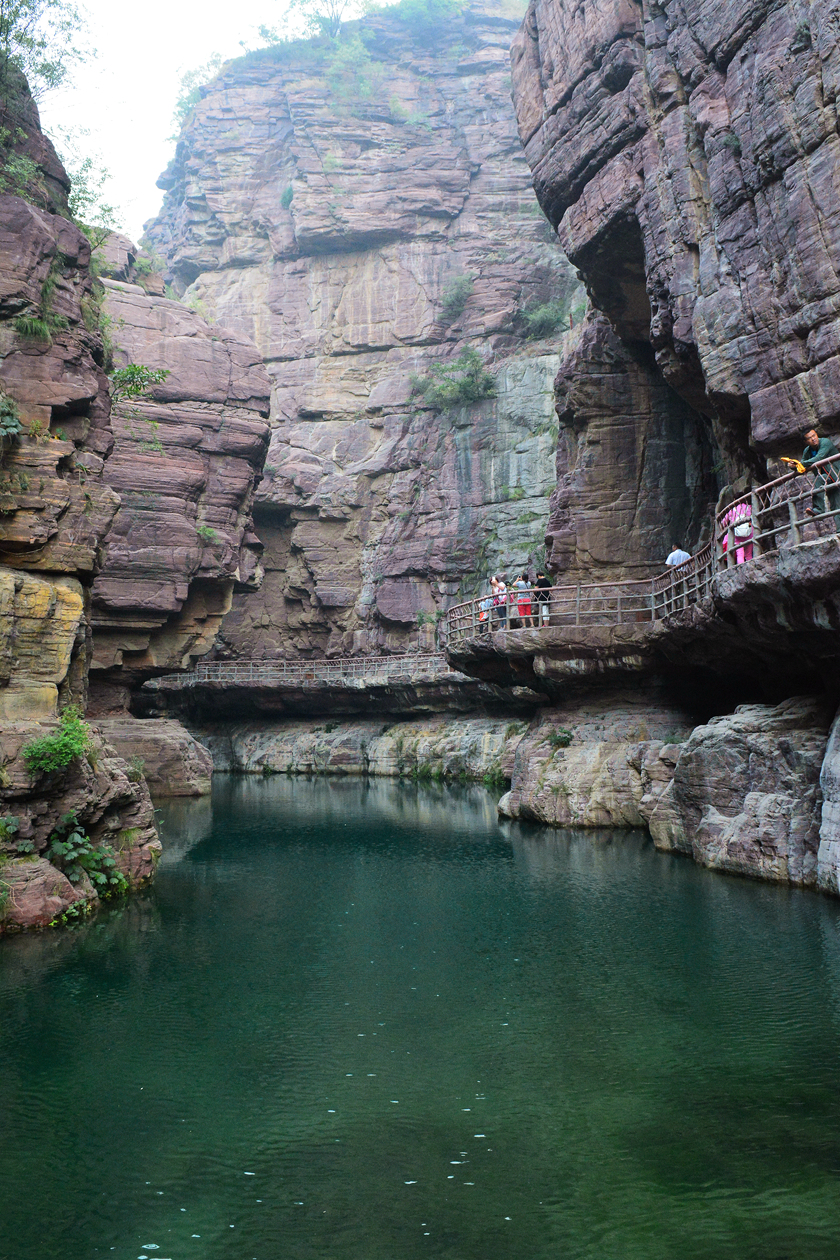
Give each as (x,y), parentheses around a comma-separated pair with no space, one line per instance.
(827,479)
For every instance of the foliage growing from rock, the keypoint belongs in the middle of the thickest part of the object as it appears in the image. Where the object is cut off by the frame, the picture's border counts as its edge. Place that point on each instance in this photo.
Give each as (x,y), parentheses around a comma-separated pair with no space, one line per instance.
(41,325)
(39,38)
(74,854)
(560,738)
(135,380)
(55,752)
(323,17)
(19,175)
(10,426)
(425,16)
(544,318)
(8,828)
(456,294)
(191,84)
(353,75)
(464,380)
(89,208)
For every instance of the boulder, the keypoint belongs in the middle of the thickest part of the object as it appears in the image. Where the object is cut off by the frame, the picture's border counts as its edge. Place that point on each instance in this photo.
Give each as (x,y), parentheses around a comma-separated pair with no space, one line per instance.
(745,794)
(171,761)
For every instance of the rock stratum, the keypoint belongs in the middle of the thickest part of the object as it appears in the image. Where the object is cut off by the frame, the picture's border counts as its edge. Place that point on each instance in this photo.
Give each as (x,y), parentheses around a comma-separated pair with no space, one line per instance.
(123,533)
(363,220)
(687,154)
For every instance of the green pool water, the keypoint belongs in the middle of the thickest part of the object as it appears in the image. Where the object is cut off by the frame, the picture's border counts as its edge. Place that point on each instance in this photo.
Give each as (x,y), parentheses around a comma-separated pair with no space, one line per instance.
(367,1021)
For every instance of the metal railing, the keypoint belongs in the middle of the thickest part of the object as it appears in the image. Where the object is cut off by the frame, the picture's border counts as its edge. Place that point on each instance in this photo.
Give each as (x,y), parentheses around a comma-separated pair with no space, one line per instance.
(794,509)
(305,673)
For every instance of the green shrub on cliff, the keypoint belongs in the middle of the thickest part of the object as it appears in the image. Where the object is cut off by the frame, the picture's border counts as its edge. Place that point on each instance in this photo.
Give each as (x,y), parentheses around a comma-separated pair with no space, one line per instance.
(464,380)
(425,16)
(75,855)
(56,752)
(192,82)
(353,75)
(544,318)
(10,426)
(456,294)
(135,380)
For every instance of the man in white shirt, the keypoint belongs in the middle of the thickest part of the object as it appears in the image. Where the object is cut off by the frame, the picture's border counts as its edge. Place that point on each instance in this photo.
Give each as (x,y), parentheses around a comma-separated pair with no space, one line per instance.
(677,556)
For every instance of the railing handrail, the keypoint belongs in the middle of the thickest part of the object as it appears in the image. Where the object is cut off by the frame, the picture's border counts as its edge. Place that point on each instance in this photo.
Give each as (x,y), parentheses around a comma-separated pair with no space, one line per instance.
(413,663)
(773,520)
(747,496)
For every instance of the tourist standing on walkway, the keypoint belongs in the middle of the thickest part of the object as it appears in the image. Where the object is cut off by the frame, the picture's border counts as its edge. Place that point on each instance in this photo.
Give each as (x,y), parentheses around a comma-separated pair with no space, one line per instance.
(677,556)
(738,520)
(817,448)
(523,599)
(500,601)
(543,599)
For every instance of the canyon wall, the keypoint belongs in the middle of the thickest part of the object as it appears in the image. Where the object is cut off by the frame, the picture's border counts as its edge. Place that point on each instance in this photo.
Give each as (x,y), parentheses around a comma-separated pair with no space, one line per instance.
(56,506)
(122,534)
(186,459)
(364,217)
(688,156)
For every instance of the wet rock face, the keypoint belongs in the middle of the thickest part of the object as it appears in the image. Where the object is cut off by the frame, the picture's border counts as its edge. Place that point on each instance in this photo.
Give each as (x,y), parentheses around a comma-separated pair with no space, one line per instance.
(688,154)
(184,464)
(745,794)
(337,231)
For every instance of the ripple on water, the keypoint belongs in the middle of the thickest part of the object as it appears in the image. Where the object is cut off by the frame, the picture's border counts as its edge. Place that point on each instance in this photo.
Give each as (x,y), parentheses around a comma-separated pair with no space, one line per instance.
(623,1056)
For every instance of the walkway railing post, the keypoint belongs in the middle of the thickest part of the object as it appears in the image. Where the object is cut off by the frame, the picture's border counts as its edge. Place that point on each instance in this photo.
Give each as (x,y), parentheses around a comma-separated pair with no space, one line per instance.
(577,605)
(755,511)
(794,523)
(474,620)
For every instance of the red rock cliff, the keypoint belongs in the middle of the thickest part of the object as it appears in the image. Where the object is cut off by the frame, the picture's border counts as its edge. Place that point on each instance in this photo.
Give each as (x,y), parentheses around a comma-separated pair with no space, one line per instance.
(688,155)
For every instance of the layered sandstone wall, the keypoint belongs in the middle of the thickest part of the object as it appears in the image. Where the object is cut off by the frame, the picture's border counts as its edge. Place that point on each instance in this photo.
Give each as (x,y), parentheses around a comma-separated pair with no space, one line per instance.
(185,464)
(688,156)
(333,227)
(91,570)
(56,507)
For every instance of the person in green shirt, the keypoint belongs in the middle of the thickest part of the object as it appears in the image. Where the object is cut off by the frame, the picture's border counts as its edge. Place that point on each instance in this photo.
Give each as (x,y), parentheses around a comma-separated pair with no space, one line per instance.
(818,448)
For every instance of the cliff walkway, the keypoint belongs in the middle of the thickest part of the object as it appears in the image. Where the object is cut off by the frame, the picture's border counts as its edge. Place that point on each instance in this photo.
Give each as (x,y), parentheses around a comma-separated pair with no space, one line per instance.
(350,671)
(787,514)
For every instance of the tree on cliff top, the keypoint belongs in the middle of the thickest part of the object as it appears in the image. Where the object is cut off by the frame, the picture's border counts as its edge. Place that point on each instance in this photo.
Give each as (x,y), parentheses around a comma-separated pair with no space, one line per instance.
(39,38)
(324,17)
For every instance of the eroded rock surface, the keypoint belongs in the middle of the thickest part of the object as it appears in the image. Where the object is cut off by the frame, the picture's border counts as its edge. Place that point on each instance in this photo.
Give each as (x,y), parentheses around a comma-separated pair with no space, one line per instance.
(431,748)
(185,463)
(591,762)
(112,807)
(745,794)
(688,155)
(634,463)
(163,751)
(332,227)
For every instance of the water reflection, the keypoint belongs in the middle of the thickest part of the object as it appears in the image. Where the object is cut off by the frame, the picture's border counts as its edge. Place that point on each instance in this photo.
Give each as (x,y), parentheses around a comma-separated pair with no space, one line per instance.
(369,1020)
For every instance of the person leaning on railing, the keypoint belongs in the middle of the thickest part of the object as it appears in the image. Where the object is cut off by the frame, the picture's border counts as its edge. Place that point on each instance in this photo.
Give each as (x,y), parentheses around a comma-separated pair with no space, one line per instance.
(827,479)
(542,599)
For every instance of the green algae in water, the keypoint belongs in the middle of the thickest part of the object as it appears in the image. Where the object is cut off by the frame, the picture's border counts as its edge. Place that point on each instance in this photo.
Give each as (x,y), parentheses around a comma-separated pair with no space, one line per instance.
(367,1021)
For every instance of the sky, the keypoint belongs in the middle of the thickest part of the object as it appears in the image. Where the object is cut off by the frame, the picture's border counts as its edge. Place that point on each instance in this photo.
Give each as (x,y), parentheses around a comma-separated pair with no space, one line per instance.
(126,96)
